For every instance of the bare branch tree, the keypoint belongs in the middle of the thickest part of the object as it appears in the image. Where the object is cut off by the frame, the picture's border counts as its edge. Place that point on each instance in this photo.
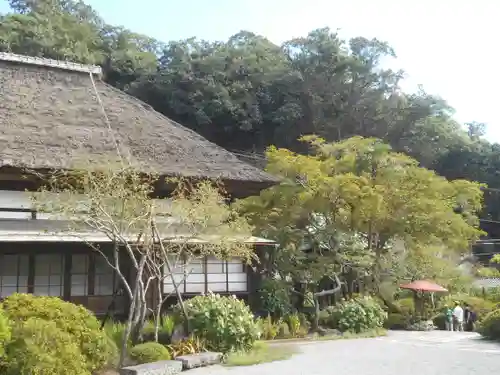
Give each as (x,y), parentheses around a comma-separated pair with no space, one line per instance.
(118,203)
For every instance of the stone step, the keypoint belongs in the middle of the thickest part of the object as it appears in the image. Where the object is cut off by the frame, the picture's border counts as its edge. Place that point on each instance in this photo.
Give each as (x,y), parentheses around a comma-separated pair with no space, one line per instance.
(154,368)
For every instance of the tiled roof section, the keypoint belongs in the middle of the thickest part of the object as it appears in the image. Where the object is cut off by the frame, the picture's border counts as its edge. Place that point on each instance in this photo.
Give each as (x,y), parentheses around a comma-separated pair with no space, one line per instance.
(64,65)
(490,282)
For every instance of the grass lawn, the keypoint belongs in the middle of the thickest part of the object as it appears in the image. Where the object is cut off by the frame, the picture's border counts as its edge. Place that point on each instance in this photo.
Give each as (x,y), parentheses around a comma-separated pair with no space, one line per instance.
(348,335)
(261,353)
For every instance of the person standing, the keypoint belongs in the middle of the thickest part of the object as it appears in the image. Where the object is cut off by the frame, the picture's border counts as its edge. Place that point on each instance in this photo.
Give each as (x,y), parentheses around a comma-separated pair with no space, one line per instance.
(458,317)
(466,316)
(448,314)
(472,320)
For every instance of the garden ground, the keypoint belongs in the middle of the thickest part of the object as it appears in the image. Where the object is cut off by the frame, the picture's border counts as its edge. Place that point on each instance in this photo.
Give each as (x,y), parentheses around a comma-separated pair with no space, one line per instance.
(399,353)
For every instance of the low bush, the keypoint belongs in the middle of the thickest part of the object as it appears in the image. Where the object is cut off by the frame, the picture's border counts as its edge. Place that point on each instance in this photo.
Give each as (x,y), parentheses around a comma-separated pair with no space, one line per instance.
(190,345)
(490,325)
(275,298)
(5,332)
(293,321)
(40,347)
(149,352)
(406,306)
(360,315)
(283,330)
(268,330)
(225,323)
(165,330)
(114,331)
(112,353)
(440,321)
(329,317)
(82,326)
(395,321)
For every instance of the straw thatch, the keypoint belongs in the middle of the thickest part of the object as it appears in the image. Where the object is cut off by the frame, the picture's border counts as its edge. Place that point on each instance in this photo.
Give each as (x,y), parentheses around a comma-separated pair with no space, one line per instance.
(50,116)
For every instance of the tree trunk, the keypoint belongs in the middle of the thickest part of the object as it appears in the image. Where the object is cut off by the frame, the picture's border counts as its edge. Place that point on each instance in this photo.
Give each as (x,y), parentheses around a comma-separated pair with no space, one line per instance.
(324,293)
(128,329)
(169,270)
(158,310)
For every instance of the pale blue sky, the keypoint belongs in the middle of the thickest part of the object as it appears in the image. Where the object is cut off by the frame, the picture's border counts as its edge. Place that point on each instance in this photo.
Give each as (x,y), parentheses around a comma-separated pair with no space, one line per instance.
(448,46)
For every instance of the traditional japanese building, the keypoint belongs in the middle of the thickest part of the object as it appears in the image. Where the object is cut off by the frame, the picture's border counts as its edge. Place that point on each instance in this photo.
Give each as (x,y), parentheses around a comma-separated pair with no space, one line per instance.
(53,113)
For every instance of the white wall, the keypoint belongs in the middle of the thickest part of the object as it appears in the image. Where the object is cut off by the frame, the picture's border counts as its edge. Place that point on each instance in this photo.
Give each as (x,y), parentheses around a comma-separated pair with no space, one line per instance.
(15,199)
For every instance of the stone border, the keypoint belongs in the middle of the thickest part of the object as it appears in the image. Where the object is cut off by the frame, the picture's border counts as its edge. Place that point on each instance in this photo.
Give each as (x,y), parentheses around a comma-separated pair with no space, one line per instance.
(174,367)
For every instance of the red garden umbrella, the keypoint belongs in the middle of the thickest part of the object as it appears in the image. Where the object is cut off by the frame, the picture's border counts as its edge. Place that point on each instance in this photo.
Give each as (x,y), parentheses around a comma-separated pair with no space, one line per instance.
(423,286)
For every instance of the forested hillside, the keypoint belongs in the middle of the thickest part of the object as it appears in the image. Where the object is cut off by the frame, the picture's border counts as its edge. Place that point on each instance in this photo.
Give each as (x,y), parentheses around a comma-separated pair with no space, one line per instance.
(247,93)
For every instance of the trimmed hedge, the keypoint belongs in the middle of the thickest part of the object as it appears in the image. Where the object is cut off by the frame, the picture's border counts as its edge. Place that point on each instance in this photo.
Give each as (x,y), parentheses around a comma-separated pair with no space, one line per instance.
(490,325)
(149,352)
(76,321)
(40,347)
(396,321)
(5,332)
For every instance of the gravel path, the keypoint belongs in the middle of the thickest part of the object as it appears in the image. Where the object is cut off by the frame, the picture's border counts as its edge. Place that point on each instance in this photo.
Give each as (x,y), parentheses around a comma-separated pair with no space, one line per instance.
(400,353)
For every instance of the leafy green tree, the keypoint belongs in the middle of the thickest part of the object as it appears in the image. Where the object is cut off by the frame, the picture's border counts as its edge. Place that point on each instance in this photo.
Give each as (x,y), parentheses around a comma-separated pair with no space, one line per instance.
(361,189)
(71,30)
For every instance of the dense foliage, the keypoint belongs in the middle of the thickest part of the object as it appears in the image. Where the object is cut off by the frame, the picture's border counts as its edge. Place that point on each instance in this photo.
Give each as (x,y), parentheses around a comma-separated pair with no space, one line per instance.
(149,352)
(361,210)
(358,315)
(75,323)
(247,93)
(225,323)
(490,325)
(5,332)
(275,298)
(42,347)
(396,321)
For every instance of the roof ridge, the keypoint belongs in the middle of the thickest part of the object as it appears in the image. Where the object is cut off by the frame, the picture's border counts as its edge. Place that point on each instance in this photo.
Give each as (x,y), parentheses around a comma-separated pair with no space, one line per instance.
(59,64)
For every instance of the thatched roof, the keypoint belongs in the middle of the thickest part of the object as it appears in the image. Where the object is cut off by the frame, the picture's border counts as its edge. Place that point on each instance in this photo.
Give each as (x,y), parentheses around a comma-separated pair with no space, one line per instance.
(50,116)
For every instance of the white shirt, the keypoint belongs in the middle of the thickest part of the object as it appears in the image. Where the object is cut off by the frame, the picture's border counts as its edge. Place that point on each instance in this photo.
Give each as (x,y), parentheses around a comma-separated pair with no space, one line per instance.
(458,313)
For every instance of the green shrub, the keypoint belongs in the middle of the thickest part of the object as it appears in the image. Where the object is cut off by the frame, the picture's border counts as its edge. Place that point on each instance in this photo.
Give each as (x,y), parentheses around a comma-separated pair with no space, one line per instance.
(304,319)
(294,324)
(149,352)
(275,298)
(115,331)
(406,305)
(283,330)
(78,322)
(395,321)
(360,315)
(5,332)
(490,325)
(329,317)
(112,353)
(167,325)
(165,330)
(40,347)
(225,323)
(267,328)
(440,321)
